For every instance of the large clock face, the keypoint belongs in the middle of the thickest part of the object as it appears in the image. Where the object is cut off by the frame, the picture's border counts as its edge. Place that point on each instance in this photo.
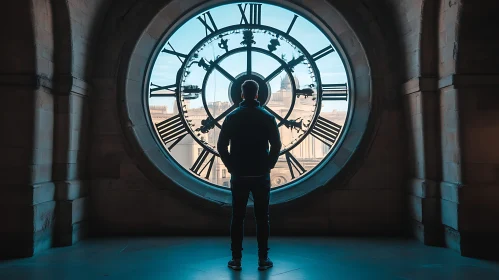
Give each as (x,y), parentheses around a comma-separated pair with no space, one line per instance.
(195,81)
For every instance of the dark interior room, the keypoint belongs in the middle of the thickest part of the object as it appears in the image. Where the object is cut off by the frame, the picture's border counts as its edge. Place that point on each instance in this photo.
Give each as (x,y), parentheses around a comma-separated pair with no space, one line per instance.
(344,139)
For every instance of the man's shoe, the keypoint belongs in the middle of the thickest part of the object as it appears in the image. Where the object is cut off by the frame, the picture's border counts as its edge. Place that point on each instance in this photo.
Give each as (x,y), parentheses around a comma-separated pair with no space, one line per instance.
(235,264)
(264,264)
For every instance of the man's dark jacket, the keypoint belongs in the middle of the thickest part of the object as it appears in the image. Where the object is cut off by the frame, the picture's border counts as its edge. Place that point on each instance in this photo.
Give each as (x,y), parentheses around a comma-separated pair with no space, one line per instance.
(249,129)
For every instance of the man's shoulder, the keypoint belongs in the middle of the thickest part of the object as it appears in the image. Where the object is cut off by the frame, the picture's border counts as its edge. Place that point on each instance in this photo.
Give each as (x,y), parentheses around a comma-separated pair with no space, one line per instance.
(258,110)
(234,112)
(266,113)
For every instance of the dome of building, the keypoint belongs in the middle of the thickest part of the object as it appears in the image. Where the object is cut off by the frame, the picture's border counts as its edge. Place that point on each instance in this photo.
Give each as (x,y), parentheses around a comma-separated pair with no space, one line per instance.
(286,83)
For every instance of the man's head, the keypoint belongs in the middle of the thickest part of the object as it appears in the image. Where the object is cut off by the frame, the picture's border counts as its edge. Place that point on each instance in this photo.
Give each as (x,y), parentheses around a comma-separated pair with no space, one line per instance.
(249,90)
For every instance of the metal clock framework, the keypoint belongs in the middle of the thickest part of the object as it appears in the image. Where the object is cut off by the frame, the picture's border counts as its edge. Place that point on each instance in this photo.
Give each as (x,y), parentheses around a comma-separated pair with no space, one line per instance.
(252,39)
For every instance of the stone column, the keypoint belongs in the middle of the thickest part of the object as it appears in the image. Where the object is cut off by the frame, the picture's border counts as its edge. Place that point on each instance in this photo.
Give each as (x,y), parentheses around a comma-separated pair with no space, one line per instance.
(27,208)
(424,196)
(470,209)
(69,162)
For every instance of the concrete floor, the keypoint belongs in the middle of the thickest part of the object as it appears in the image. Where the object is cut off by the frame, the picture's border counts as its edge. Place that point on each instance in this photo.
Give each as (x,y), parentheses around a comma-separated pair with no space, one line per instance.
(179,258)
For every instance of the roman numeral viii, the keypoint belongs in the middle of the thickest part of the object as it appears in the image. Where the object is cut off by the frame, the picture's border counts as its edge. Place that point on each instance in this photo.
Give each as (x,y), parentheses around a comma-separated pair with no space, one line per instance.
(204,162)
(326,131)
(172,131)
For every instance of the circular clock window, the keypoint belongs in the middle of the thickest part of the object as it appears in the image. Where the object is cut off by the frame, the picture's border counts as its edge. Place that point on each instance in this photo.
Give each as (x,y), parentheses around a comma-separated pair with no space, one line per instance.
(195,78)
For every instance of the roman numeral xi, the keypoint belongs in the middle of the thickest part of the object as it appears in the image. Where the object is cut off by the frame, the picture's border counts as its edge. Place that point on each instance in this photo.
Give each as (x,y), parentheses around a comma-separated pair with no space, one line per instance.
(207,20)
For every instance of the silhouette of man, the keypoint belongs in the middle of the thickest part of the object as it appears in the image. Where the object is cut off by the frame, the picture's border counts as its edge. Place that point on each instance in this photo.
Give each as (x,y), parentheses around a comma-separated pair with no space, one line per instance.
(249,129)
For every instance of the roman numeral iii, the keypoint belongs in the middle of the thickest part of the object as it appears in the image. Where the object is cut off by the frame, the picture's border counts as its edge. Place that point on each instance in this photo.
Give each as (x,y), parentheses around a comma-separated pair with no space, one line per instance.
(334,92)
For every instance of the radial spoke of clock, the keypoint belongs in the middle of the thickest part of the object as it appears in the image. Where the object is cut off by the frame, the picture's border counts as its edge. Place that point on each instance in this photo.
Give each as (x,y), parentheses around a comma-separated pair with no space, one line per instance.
(226,112)
(277,116)
(225,73)
(290,65)
(274,74)
(209,123)
(248,41)
(287,123)
(248,60)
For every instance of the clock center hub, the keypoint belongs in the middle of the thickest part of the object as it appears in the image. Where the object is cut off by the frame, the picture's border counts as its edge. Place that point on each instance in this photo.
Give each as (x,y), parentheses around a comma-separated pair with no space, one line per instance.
(264,91)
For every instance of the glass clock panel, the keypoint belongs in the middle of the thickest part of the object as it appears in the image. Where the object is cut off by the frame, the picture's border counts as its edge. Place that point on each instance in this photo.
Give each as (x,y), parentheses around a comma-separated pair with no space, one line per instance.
(195,82)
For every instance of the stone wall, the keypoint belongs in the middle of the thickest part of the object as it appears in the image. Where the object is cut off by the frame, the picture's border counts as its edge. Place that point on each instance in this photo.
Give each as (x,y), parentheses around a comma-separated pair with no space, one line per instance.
(429,161)
(452,122)
(43,81)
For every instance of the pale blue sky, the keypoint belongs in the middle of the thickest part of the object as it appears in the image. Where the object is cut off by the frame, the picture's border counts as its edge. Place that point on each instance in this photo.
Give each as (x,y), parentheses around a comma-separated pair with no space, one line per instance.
(188,35)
